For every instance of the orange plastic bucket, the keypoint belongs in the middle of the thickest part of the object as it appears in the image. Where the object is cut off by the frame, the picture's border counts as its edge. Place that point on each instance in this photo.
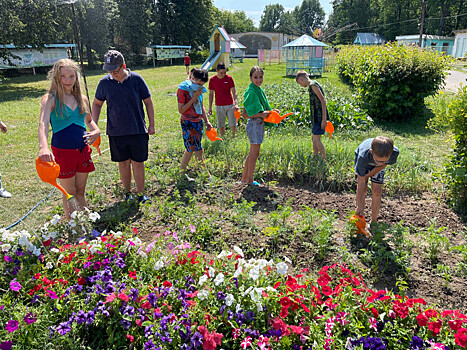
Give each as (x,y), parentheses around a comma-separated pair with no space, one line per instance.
(212,135)
(48,172)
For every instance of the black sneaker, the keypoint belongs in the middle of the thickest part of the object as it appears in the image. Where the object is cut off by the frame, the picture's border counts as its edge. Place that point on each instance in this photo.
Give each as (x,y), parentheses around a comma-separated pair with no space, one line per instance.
(144,199)
(128,197)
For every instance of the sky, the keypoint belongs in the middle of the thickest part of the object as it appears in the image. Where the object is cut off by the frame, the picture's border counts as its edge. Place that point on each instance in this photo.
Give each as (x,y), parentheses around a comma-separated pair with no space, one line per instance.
(254,8)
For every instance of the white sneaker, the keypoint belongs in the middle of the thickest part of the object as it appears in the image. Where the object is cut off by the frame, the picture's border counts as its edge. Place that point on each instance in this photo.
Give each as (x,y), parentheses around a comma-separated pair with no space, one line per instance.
(4,193)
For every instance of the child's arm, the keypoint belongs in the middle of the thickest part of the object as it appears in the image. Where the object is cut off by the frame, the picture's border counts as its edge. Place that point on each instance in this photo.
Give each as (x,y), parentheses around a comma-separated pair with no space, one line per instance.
(94,130)
(183,107)
(3,126)
(375,170)
(205,118)
(234,95)
(150,111)
(322,99)
(361,192)
(211,99)
(44,121)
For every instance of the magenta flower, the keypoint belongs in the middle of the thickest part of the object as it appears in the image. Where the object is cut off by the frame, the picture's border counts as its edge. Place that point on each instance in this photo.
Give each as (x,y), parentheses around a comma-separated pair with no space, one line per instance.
(12,325)
(7,258)
(30,318)
(246,342)
(14,285)
(192,229)
(51,294)
(6,345)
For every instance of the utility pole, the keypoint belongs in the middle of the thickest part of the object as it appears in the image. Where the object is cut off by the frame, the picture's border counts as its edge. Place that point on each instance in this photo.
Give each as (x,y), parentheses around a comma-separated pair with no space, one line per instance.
(422,21)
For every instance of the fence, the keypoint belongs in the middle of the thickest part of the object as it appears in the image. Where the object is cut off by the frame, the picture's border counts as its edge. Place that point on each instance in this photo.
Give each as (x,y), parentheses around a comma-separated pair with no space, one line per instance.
(271,57)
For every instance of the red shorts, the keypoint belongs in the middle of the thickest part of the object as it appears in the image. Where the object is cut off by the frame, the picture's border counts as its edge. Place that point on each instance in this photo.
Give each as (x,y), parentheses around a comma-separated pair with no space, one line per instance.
(73,161)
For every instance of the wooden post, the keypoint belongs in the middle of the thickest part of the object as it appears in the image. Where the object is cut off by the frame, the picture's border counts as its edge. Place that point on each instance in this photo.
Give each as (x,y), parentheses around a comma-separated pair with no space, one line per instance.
(422,21)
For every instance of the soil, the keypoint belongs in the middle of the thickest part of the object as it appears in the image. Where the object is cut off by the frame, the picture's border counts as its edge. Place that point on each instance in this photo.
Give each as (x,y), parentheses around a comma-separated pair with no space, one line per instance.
(418,213)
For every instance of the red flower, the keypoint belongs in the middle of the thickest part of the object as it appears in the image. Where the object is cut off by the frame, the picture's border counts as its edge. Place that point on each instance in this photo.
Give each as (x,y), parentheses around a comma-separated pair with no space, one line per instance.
(461,337)
(285,302)
(146,305)
(284,312)
(81,281)
(47,242)
(400,309)
(431,313)
(374,312)
(296,329)
(37,276)
(110,298)
(277,285)
(123,296)
(422,320)
(435,327)
(455,325)
(326,290)
(130,337)
(324,279)
(167,284)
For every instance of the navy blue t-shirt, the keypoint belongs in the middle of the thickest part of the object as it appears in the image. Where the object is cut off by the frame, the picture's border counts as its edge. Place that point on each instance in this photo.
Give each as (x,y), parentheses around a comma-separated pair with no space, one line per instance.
(125,112)
(364,161)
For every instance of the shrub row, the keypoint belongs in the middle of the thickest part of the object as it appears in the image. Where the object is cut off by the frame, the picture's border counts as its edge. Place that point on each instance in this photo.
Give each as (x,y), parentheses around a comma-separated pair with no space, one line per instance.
(392,81)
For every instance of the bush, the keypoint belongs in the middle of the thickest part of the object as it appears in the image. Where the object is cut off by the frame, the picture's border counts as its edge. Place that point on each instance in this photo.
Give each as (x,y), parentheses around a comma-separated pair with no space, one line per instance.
(198,57)
(392,81)
(454,115)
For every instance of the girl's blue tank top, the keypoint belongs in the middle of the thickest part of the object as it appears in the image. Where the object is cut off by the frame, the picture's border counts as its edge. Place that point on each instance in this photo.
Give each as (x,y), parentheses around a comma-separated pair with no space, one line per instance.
(68,131)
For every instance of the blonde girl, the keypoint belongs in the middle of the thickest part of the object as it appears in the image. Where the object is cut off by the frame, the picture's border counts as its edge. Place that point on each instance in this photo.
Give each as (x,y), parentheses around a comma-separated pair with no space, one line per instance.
(65,108)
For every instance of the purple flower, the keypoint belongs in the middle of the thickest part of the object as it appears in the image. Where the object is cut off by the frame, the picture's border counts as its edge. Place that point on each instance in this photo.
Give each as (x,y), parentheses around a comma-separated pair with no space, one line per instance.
(148,330)
(220,295)
(90,317)
(106,275)
(7,258)
(80,317)
(95,233)
(250,315)
(98,289)
(14,285)
(63,328)
(152,299)
(30,318)
(19,252)
(149,345)
(125,323)
(192,229)
(12,325)
(196,340)
(221,310)
(87,264)
(240,318)
(34,299)
(120,263)
(6,345)
(134,294)
(417,343)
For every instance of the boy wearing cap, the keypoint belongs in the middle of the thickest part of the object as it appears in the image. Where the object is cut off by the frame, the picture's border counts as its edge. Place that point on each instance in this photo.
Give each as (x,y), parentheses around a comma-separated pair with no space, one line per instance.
(125,93)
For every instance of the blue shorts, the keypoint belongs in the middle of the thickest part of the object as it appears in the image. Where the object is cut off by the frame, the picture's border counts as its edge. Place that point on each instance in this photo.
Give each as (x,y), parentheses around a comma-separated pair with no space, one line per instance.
(255,130)
(377,178)
(192,134)
(316,128)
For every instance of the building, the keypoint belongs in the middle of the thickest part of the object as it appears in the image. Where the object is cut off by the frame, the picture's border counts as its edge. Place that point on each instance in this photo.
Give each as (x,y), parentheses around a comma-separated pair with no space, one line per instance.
(460,43)
(255,41)
(435,42)
(369,39)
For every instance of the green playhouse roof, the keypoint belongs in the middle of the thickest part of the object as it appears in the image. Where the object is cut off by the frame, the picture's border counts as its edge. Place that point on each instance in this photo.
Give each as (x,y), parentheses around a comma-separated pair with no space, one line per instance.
(303,41)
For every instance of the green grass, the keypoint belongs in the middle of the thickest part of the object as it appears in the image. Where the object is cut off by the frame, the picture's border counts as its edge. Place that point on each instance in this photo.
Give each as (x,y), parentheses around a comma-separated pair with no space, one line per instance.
(286,153)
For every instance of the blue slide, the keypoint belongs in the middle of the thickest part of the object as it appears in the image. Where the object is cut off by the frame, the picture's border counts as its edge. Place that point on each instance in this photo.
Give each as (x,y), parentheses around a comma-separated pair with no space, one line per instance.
(210,61)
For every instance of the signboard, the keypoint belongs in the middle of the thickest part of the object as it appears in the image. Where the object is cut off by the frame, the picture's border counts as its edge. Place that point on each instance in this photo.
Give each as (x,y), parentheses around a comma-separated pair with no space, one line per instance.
(33,58)
(170,53)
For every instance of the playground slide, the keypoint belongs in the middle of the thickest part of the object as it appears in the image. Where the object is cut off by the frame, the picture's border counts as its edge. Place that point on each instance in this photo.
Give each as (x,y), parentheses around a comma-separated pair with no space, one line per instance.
(210,61)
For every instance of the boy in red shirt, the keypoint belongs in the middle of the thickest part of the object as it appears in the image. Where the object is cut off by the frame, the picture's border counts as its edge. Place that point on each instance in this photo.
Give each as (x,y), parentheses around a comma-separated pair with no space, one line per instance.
(187,61)
(223,86)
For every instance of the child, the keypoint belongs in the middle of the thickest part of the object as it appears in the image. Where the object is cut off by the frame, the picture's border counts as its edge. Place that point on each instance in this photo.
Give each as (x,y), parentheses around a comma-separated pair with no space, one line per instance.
(3,193)
(66,109)
(257,108)
(371,159)
(318,111)
(223,86)
(187,61)
(192,115)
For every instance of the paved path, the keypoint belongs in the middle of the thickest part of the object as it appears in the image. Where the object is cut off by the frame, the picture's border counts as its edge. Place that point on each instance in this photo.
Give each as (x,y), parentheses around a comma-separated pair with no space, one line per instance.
(454,80)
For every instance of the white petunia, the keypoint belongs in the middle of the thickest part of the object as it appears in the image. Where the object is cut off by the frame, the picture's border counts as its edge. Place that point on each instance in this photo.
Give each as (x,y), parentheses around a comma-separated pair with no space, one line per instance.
(219,279)
(159,264)
(5,247)
(142,254)
(238,308)
(238,272)
(74,214)
(203,294)
(72,223)
(229,299)
(55,250)
(282,268)
(94,216)
(287,259)
(211,271)
(223,254)
(55,219)
(238,250)
(259,307)
(49,265)
(254,273)
(202,280)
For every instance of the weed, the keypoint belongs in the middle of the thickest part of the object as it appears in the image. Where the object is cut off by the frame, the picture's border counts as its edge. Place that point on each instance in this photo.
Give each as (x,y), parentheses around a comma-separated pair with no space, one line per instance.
(435,242)
(244,213)
(445,272)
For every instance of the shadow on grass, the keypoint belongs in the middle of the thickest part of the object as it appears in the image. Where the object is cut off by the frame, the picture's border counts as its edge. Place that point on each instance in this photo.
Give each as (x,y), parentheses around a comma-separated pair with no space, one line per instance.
(413,126)
(119,215)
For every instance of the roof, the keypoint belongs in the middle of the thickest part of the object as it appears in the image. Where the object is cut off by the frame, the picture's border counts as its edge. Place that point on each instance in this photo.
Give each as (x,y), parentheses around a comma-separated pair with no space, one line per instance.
(10,46)
(234,44)
(169,46)
(305,41)
(222,31)
(369,38)
(425,37)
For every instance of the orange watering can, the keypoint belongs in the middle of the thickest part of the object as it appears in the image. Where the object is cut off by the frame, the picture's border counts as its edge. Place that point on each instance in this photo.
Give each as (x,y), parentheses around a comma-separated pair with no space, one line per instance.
(329,128)
(238,113)
(359,221)
(275,118)
(48,172)
(97,143)
(212,135)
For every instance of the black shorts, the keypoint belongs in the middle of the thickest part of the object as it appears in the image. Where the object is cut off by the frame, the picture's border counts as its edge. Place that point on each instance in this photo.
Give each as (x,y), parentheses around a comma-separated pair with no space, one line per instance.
(134,147)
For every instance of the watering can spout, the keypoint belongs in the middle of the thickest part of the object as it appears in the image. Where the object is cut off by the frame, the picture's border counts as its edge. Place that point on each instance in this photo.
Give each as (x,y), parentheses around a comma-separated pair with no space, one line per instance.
(212,135)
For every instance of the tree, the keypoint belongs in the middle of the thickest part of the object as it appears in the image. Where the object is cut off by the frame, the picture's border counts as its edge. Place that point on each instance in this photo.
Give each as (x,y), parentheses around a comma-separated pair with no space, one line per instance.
(309,16)
(233,22)
(270,19)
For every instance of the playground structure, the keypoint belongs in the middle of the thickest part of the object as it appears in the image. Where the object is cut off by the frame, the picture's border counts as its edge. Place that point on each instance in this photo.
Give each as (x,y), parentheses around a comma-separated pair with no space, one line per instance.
(164,52)
(305,53)
(219,45)
(271,57)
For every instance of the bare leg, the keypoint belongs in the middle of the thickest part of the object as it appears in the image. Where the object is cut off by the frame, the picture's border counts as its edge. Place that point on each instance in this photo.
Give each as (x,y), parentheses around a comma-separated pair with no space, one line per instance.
(222,131)
(376,194)
(250,163)
(74,186)
(185,160)
(318,147)
(199,156)
(362,185)
(138,175)
(125,174)
(234,130)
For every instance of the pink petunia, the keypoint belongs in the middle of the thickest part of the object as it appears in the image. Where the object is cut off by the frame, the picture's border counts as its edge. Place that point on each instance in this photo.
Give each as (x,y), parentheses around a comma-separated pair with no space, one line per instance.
(6,345)
(12,325)
(30,318)
(15,285)
(51,294)
(246,342)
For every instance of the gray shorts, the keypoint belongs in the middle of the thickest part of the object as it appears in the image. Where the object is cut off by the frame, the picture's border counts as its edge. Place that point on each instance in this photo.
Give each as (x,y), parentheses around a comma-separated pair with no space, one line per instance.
(255,130)
(377,178)
(226,111)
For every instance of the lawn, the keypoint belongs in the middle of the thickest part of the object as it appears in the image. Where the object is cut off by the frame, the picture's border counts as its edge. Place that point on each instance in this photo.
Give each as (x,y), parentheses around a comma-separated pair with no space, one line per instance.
(301,211)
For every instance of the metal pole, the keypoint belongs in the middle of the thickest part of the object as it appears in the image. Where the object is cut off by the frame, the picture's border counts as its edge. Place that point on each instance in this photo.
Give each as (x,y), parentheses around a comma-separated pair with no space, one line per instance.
(422,21)
(80,51)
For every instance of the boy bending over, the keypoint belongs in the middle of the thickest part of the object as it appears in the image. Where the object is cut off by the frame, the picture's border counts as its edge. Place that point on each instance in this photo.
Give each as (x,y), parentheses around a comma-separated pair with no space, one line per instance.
(371,159)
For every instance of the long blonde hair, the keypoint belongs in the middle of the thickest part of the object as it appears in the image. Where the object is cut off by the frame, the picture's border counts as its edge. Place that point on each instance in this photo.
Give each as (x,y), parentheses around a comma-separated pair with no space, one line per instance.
(56,88)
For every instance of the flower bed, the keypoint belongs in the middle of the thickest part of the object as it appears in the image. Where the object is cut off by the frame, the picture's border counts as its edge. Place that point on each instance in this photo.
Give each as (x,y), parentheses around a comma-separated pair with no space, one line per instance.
(114,291)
